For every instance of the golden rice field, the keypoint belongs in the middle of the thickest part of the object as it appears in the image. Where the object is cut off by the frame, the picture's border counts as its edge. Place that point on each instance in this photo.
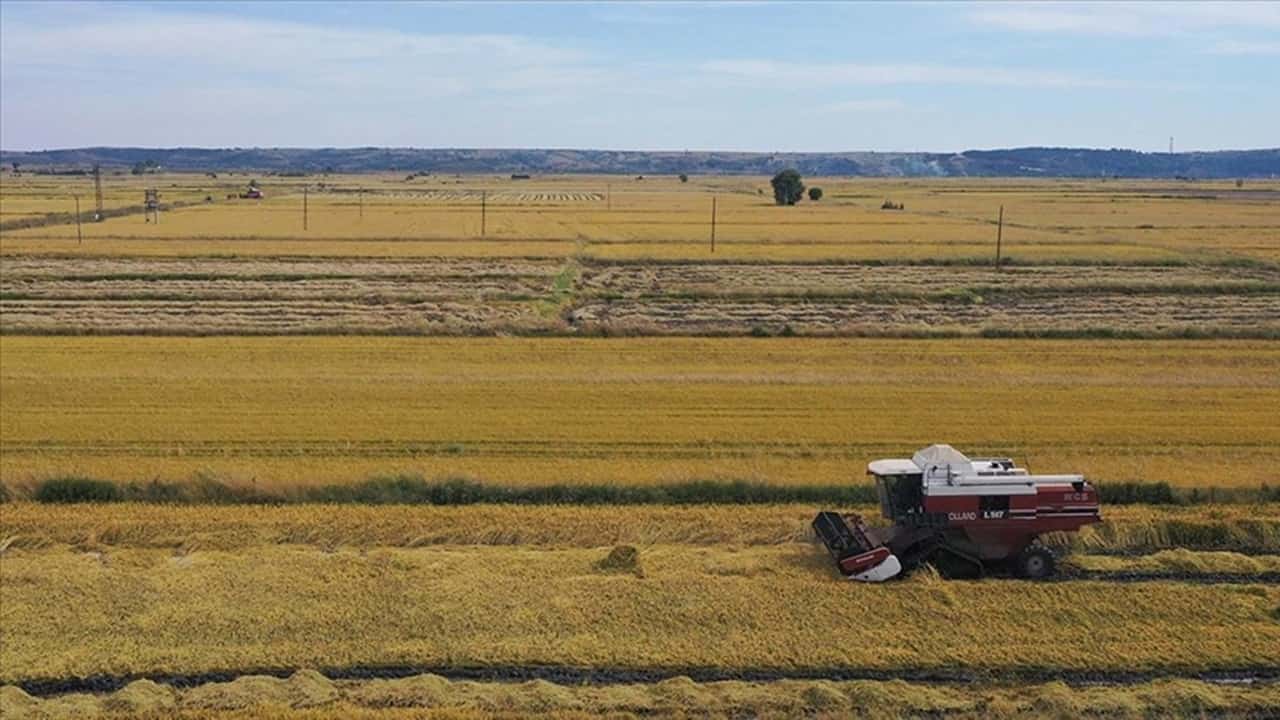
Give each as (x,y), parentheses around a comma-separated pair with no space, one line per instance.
(589,336)
(132,590)
(128,611)
(471,296)
(661,218)
(307,694)
(1127,530)
(280,412)
(634,257)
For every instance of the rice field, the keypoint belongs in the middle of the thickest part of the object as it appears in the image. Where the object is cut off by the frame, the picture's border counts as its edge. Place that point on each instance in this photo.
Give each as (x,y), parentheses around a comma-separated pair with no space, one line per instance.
(429,607)
(308,694)
(661,218)
(582,332)
(574,297)
(281,412)
(720,611)
(373,255)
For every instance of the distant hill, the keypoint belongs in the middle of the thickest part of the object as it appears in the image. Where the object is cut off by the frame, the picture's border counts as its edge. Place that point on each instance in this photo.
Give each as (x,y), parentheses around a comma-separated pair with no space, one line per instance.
(1018,162)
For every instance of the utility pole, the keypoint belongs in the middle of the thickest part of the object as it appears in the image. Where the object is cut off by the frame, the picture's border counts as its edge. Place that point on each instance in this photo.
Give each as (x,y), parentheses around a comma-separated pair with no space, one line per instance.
(608,196)
(97,192)
(713,224)
(304,207)
(484,196)
(360,194)
(79,236)
(999,236)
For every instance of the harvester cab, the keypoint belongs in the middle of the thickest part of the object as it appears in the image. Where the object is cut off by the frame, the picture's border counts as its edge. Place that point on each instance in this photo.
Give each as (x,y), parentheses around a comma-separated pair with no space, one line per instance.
(966,516)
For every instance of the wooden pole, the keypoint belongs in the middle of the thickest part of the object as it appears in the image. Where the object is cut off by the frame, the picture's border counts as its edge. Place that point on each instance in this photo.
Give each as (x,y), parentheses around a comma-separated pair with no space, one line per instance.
(713,223)
(608,196)
(360,194)
(999,236)
(79,236)
(484,196)
(97,193)
(304,208)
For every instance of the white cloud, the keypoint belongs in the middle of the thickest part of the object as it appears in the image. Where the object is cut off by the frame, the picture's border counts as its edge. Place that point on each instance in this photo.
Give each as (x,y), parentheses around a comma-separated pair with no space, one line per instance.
(840,74)
(209,49)
(1126,18)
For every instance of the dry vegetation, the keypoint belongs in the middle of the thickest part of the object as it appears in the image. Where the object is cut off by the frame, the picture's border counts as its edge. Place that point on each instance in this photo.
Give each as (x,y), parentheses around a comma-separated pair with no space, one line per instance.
(279,412)
(127,590)
(307,695)
(104,528)
(69,613)
(452,296)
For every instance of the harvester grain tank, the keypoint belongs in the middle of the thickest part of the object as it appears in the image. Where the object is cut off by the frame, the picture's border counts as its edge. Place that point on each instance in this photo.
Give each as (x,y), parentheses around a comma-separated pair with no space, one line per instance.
(966,516)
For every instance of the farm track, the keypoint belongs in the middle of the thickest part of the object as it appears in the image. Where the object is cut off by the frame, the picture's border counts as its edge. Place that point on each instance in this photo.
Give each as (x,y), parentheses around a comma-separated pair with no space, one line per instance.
(596,676)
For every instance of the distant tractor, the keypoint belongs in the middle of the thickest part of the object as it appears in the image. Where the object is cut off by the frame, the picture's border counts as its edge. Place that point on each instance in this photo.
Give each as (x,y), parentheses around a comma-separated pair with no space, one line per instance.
(963,516)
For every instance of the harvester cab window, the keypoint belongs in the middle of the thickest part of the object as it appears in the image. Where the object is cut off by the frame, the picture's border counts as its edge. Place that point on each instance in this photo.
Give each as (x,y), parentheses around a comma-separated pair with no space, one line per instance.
(900,494)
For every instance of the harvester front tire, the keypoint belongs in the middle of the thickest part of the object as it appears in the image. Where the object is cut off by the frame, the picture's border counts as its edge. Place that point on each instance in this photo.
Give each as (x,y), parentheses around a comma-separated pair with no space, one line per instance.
(1036,563)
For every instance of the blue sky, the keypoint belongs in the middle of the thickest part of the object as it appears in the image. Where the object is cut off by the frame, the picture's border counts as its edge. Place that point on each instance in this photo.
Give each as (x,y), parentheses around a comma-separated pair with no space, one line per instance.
(674,76)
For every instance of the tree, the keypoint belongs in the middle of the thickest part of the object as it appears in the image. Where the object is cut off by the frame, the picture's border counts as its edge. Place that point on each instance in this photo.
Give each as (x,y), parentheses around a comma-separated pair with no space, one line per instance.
(815,194)
(684,178)
(788,188)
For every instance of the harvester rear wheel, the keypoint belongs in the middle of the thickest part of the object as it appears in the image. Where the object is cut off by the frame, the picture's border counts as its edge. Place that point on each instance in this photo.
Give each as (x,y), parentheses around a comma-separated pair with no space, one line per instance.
(1036,562)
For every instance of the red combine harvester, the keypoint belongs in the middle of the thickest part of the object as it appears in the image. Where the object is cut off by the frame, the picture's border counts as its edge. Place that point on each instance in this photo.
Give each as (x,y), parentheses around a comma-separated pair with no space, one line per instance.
(964,516)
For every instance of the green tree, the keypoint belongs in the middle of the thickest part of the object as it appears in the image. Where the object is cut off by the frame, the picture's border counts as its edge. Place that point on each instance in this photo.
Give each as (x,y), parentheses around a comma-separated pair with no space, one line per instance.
(684,178)
(815,194)
(788,188)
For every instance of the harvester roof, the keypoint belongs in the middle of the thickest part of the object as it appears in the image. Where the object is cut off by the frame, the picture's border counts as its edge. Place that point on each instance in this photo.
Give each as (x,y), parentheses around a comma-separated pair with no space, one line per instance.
(939,455)
(943,464)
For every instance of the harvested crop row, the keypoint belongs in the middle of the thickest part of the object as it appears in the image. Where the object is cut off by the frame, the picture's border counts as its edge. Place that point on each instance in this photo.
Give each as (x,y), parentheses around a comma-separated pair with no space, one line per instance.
(467,195)
(337,307)
(639,279)
(126,611)
(308,694)
(269,268)
(231,317)
(1128,529)
(371,289)
(1164,313)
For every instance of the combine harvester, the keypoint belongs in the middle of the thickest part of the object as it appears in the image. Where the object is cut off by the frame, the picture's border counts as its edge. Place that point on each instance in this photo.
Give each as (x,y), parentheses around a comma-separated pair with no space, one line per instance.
(964,516)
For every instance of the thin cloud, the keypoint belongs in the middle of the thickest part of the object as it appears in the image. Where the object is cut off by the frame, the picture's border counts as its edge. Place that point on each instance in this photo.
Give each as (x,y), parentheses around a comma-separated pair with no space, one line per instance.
(1238,47)
(841,74)
(1132,19)
(207,48)
(864,106)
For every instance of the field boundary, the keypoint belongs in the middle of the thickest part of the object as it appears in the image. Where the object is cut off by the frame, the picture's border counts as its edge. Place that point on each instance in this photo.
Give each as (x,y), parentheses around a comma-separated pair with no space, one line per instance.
(412,489)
